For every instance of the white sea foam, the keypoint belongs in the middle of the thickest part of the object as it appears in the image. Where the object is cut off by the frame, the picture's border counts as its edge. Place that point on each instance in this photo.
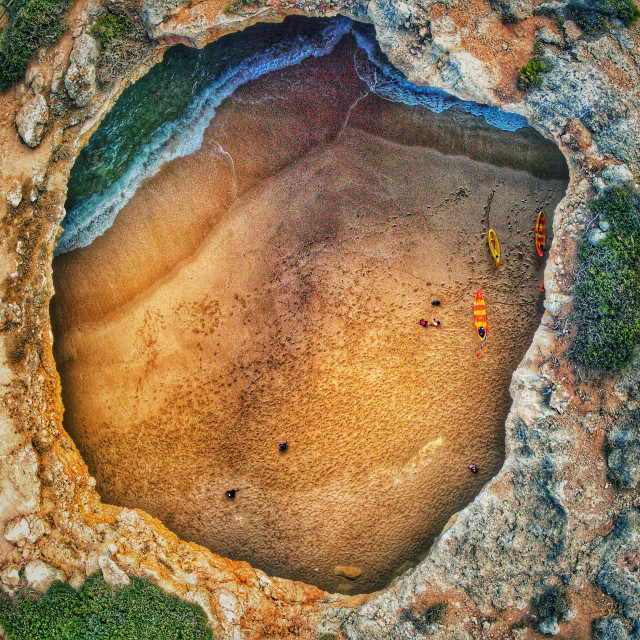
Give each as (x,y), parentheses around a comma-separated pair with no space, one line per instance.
(90,218)
(93,216)
(388,83)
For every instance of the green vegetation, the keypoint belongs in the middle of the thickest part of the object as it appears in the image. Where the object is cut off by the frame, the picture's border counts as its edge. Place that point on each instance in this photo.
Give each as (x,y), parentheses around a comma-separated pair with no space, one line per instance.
(421,620)
(31,24)
(553,603)
(607,296)
(123,39)
(237,5)
(98,612)
(109,26)
(504,8)
(626,10)
(593,17)
(531,73)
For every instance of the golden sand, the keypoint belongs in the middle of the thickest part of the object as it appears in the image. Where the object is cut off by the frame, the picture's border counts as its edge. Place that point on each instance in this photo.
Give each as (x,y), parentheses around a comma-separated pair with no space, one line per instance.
(273,294)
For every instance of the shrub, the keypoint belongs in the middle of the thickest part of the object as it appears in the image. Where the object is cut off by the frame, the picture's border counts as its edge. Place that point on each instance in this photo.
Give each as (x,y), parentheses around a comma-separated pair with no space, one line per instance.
(504,8)
(626,10)
(109,26)
(31,25)
(607,296)
(531,73)
(123,38)
(422,620)
(553,603)
(97,611)
(593,16)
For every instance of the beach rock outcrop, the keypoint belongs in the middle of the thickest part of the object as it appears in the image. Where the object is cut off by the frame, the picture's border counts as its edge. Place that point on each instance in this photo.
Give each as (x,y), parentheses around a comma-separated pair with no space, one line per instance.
(80,79)
(619,564)
(39,575)
(112,574)
(24,530)
(618,174)
(613,628)
(595,236)
(32,119)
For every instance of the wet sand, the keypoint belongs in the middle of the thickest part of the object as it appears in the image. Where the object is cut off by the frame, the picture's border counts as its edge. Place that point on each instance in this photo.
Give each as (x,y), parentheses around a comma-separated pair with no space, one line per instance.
(274,294)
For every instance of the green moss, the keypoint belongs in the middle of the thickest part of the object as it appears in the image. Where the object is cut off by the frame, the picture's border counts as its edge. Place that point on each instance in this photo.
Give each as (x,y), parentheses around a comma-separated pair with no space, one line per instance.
(522,624)
(531,73)
(237,5)
(31,25)
(626,10)
(97,611)
(553,603)
(608,447)
(421,620)
(607,295)
(109,26)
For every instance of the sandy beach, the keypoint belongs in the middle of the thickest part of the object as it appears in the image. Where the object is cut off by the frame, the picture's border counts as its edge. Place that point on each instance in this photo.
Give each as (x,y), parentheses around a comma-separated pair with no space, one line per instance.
(268,289)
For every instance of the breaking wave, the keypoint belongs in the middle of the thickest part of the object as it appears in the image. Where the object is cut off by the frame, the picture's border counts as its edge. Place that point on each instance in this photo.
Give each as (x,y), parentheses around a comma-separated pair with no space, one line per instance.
(142,133)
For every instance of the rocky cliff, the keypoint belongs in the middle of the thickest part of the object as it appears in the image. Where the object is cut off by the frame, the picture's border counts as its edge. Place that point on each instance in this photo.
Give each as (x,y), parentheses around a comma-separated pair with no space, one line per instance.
(550,546)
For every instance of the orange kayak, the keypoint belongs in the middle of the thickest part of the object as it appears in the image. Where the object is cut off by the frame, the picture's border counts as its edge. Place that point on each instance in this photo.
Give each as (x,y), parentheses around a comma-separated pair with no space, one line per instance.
(480,314)
(541,233)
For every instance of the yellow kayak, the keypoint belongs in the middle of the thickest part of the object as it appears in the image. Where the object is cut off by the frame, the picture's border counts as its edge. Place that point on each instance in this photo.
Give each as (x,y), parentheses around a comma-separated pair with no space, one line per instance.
(494,246)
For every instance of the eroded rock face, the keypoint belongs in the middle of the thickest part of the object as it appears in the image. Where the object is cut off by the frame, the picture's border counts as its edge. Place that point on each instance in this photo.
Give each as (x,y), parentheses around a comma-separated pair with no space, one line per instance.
(551,516)
(31,120)
(80,79)
(623,457)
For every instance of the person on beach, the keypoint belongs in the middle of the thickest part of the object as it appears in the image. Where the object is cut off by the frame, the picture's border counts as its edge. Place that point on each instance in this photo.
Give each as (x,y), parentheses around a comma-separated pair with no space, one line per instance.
(231,494)
(435,303)
(283,446)
(435,323)
(473,468)
(483,345)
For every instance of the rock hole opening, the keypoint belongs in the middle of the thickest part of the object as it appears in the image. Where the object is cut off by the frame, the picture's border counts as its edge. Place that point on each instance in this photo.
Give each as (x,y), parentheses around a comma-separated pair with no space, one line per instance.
(253,235)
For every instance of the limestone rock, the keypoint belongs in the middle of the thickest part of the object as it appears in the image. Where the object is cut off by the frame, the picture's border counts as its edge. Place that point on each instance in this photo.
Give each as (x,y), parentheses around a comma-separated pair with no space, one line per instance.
(35,81)
(618,174)
(14,194)
(549,626)
(112,574)
(623,457)
(80,79)
(611,628)
(40,575)
(547,36)
(92,565)
(10,576)
(28,529)
(556,303)
(559,399)
(616,575)
(76,580)
(596,236)
(600,185)
(31,120)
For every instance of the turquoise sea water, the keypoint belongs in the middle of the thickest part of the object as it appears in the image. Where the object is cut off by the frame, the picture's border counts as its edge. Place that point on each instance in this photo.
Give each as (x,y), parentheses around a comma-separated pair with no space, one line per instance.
(165,114)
